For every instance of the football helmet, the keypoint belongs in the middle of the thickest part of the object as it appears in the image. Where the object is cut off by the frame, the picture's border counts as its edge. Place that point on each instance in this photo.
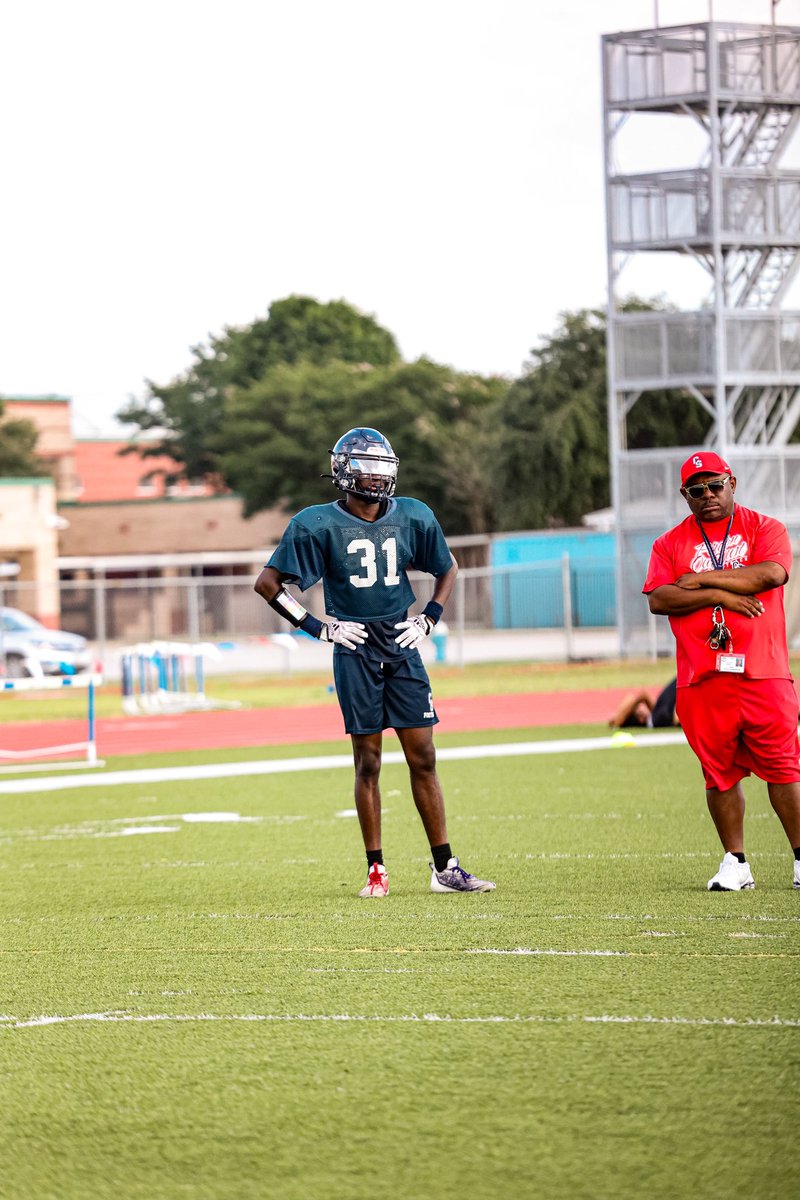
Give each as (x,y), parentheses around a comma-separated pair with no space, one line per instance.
(363,464)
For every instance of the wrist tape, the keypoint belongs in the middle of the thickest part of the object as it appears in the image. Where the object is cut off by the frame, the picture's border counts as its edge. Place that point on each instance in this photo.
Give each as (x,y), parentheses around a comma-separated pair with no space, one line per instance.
(292,611)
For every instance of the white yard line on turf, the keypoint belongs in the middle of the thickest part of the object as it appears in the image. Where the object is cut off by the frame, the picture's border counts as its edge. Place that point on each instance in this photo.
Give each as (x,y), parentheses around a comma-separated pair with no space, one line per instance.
(558,953)
(280,766)
(112,1017)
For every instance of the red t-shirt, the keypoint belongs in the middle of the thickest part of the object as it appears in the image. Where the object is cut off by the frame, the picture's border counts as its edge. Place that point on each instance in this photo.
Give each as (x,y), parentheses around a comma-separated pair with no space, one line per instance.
(753,539)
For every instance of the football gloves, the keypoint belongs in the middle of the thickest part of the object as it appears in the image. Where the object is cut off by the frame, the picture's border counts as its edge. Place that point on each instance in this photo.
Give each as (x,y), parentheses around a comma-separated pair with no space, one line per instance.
(414,631)
(346,633)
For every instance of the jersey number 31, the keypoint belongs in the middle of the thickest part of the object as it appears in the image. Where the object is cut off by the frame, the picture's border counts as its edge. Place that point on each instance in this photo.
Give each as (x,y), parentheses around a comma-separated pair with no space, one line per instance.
(369,562)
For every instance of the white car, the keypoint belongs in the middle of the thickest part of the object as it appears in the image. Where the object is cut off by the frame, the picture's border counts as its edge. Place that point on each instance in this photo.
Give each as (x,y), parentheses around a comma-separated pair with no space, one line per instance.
(30,648)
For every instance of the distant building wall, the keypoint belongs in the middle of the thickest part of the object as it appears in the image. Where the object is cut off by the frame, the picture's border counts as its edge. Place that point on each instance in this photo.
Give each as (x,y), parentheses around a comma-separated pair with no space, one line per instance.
(29,537)
(165,526)
(93,468)
(51,416)
(104,473)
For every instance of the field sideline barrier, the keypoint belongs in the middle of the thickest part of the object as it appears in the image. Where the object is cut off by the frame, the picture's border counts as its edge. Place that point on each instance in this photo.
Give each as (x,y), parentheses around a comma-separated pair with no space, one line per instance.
(87,680)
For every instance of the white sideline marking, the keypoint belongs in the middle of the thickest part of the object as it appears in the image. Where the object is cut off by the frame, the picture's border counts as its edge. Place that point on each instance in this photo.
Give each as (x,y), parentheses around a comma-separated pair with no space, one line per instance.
(136,829)
(280,766)
(217,818)
(559,953)
(119,1016)
(135,825)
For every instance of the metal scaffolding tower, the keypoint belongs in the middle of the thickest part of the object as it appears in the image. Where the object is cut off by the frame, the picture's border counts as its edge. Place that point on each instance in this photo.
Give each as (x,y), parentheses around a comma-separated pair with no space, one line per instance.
(736,216)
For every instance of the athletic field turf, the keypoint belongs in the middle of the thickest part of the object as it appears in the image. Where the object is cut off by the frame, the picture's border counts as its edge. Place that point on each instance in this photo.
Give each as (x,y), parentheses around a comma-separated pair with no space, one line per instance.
(195,1003)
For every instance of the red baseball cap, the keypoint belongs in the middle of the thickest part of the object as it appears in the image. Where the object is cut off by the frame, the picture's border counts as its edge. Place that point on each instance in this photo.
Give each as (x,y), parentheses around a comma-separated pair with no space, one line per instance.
(704,461)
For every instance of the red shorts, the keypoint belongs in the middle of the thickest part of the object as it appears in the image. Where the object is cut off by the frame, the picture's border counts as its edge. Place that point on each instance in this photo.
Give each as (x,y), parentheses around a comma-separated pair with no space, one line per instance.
(737,725)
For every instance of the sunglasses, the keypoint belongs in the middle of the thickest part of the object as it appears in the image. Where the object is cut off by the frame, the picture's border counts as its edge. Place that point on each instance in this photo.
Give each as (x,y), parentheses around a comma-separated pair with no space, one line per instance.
(715,486)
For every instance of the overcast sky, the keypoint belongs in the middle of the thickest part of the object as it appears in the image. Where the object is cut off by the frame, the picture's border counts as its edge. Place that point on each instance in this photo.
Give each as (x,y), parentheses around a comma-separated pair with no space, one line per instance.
(173,166)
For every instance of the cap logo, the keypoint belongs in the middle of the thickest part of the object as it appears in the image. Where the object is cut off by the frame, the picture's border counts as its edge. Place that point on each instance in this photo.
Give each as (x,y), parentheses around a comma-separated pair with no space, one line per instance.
(697,461)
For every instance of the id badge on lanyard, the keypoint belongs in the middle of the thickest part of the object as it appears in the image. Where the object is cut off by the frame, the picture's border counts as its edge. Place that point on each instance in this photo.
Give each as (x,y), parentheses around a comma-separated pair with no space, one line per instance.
(720,637)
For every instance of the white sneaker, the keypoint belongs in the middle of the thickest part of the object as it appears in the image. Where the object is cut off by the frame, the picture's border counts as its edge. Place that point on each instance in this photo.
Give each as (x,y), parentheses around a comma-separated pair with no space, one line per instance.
(455,879)
(733,876)
(796,880)
(377,882)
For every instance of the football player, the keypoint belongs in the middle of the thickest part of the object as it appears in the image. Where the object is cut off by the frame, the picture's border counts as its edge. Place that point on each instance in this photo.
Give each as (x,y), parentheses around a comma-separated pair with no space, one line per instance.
(362,546)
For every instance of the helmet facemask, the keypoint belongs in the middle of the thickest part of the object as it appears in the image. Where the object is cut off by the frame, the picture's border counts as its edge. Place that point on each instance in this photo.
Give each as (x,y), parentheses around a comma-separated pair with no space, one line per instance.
(364,465)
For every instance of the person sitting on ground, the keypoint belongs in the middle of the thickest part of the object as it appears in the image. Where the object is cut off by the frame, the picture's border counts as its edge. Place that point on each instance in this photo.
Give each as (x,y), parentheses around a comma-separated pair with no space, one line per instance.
(638,708)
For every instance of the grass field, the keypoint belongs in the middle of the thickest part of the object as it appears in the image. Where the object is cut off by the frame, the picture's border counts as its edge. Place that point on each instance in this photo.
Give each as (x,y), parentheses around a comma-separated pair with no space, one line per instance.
(205,1009)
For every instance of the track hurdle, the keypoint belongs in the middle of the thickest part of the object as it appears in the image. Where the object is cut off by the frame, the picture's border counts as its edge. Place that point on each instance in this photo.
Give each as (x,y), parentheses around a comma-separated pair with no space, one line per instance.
(89,747)
(159,677)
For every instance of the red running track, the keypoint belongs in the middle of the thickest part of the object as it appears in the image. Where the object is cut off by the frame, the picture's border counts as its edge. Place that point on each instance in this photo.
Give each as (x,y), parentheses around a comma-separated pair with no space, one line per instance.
(321,723)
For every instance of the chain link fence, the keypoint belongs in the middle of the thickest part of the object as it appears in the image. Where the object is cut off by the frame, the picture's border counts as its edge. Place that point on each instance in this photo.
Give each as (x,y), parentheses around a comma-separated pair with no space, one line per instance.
(559,601)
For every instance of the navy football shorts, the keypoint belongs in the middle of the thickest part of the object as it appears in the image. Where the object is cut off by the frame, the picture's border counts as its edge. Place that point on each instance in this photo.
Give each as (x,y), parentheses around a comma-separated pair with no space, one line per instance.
(375,695)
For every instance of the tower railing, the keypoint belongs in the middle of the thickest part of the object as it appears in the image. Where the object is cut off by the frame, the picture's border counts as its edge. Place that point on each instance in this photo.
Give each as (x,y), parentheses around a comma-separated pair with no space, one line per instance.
(734,210)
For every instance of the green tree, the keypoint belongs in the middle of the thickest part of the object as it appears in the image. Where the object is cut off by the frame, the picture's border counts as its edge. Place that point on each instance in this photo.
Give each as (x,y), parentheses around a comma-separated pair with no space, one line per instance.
(278,434)
(301,329)
(188,413)
(18,456)
(552,439)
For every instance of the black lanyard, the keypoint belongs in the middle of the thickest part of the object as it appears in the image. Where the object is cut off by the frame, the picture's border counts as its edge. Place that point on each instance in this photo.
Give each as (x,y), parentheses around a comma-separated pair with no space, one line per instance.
(717,563)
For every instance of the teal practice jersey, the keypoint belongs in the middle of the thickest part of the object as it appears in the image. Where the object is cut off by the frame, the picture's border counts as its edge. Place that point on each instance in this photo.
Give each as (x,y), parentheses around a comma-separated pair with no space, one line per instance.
(363,565)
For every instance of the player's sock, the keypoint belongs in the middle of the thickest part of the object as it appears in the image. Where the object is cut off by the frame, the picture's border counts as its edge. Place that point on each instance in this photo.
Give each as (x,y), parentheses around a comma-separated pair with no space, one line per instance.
(796,852)
(740,857)
(441,855)
(374,856)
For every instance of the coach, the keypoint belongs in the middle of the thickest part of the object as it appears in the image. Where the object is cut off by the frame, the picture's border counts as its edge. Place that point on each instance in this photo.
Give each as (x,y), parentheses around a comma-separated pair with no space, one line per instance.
(719,577)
